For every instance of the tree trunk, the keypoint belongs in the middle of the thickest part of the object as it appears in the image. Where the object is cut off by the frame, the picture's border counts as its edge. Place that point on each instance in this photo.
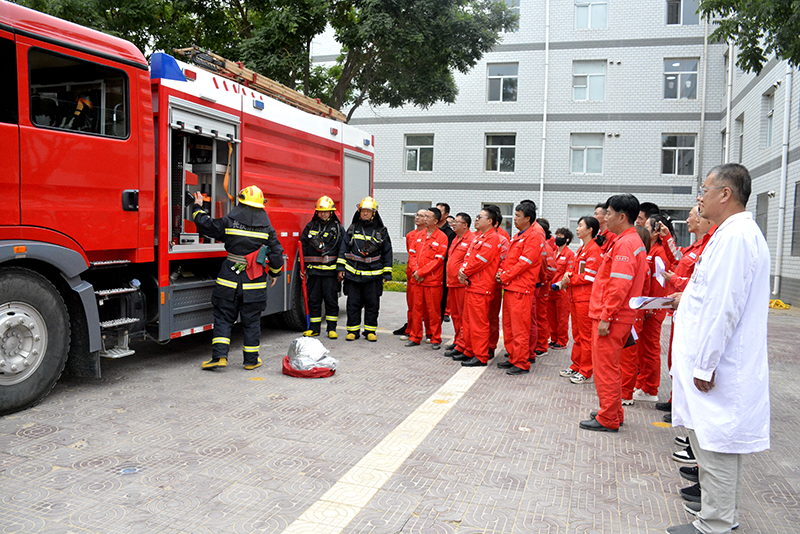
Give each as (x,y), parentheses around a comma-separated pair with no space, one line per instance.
(355,61)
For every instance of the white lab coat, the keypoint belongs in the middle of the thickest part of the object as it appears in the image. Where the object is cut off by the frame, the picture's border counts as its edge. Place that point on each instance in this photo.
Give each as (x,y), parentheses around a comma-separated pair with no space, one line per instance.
(721,326)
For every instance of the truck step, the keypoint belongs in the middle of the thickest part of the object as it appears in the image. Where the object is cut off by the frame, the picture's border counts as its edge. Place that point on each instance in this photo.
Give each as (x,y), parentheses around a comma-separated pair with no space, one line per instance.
(116,352)
(108,263)
(113,323)
(116,291)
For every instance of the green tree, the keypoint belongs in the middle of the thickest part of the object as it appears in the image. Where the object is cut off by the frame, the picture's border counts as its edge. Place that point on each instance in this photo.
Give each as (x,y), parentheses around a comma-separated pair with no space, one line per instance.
(759,28)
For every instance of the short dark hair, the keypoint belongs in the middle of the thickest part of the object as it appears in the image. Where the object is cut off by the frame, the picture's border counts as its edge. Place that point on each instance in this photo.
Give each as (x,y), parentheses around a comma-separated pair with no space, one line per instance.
(545,224)
(603,205)
(627,204)
(735,176)
(465,216)
(649,209)
(527,209)
(591,223)
(663,219)
(436,213)
(644,236)
(494,213)
(566,233)
(445,205)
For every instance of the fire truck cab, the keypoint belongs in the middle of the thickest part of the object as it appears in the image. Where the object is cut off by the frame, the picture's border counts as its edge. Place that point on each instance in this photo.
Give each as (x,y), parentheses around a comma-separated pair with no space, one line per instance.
(101,152)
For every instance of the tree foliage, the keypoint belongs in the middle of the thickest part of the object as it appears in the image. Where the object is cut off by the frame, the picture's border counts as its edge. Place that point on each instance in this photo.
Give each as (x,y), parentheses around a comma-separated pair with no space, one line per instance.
(759,28)
(394,52)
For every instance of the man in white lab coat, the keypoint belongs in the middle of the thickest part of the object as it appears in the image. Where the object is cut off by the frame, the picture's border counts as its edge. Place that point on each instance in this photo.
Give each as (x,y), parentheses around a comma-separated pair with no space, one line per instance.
(719,364)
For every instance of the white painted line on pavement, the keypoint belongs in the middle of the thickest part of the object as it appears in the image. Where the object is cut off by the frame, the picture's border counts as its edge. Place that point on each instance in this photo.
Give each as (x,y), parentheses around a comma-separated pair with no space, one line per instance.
(339,505)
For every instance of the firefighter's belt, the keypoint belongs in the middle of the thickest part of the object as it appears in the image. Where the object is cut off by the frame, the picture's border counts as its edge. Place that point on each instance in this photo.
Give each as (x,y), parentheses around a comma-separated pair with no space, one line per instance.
(363,259)
(320,259)
(235,258)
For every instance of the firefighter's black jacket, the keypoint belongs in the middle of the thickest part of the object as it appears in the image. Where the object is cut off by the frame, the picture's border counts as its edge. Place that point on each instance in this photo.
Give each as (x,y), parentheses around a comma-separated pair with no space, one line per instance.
(366,250)
(321,242)
(244,230)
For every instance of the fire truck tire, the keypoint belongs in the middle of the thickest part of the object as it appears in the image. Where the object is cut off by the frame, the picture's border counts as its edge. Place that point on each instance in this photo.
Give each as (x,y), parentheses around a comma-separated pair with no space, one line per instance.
(295,318)
(34,338)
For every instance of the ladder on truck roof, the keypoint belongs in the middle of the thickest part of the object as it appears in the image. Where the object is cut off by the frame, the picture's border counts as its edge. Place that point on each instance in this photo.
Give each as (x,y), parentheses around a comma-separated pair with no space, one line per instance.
(237,72)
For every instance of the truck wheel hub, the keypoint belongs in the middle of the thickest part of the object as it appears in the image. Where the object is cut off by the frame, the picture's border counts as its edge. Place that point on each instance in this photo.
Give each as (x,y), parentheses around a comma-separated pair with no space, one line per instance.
(23,341)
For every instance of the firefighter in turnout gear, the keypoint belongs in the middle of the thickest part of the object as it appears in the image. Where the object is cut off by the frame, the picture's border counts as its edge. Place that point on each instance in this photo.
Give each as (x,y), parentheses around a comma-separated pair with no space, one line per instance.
(321,240)
(365,261)
(241,289)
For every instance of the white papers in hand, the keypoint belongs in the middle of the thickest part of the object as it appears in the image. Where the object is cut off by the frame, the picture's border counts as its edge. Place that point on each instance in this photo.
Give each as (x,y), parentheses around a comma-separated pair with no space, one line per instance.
(659,274)
(650,303)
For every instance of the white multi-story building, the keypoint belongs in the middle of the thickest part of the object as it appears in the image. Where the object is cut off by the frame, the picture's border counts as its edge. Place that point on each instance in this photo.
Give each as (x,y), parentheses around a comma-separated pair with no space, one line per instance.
(587,99)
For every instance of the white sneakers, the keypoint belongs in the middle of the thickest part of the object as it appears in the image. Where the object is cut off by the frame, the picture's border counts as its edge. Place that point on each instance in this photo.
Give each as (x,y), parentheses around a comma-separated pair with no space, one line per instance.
(567,373)
(627,402)
(578,378)
(640,395)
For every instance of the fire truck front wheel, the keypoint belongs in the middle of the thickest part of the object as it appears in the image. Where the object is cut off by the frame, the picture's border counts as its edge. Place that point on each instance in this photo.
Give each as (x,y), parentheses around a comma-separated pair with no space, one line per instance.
(34,338)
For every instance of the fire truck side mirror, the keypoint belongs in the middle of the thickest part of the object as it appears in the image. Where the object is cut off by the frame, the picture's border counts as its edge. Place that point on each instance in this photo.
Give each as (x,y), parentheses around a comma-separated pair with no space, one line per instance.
(130,200)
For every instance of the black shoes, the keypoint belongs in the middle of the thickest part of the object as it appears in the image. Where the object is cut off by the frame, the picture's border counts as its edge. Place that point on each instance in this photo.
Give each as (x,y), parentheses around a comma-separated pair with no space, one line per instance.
(594,414)
(452,352)
(505,365)
(692,474)
(554,345)
(410,343)
(691,493)
(540,352)
(668,418)
(531,360)
(436,346)
(473,362)
(446,318)
(461,357)
(592,424)
(517,370)
(491,353)
(451,346)
(664,406)
(401,331)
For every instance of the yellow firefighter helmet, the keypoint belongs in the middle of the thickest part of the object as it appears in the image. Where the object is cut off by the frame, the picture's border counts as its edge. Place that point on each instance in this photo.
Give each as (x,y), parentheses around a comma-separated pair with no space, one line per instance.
(252,196)
(325,204)
(368,203)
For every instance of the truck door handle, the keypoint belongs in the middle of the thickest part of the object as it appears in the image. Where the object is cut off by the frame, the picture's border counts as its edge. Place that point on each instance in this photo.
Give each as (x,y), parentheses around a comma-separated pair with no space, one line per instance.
(130,200)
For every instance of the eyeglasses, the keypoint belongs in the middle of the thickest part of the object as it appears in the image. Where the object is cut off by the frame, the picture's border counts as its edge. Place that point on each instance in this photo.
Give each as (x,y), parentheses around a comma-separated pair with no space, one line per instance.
(479,217)
(704,190)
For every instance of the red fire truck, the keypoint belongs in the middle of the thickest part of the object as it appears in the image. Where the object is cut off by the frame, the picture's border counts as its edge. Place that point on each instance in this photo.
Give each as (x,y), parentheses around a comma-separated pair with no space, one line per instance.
(99,152)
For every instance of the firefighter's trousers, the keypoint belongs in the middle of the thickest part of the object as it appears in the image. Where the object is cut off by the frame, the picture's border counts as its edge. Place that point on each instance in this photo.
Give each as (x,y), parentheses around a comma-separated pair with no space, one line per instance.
(558,317)
(607,378)
(475,325)
(225,314)
(363,296)
(323,289)
(581,338)
(517,327)
(427,309)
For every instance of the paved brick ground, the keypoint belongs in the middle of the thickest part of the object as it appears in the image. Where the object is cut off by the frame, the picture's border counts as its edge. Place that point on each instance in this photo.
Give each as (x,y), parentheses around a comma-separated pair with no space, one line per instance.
(157,445)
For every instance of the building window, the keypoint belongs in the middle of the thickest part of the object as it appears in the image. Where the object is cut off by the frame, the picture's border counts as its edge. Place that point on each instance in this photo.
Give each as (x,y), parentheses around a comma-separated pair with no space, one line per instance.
(589,80)
(590,14)
(575,212)
(507,210)
(762,210)
(677,154)
(680,79)
(682,12)
(410,209)
(500,152)
(768,110)
(587,153)
(419,152)
(503,82)
(71,94)
(740,132)
(796,222)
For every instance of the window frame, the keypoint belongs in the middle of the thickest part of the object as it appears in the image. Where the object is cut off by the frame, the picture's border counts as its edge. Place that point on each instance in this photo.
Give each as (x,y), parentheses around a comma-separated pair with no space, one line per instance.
(761,215)
(769,112)
(585,149)
(507,211)
(418,149)
(404,216)
(681,13)
(675,149)
(589,77)
(126,93)
(589,4)
(502,78)
(681,75)
(499,148)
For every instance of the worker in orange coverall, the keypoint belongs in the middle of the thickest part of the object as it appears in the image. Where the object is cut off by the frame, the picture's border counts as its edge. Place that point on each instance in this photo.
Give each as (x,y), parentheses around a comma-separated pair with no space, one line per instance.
(600,212)
(518,274)
(620,277)
(497,299)
(558,310)
(431,247)
(549,270)
(411,285)
(455,290)
(478,275)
